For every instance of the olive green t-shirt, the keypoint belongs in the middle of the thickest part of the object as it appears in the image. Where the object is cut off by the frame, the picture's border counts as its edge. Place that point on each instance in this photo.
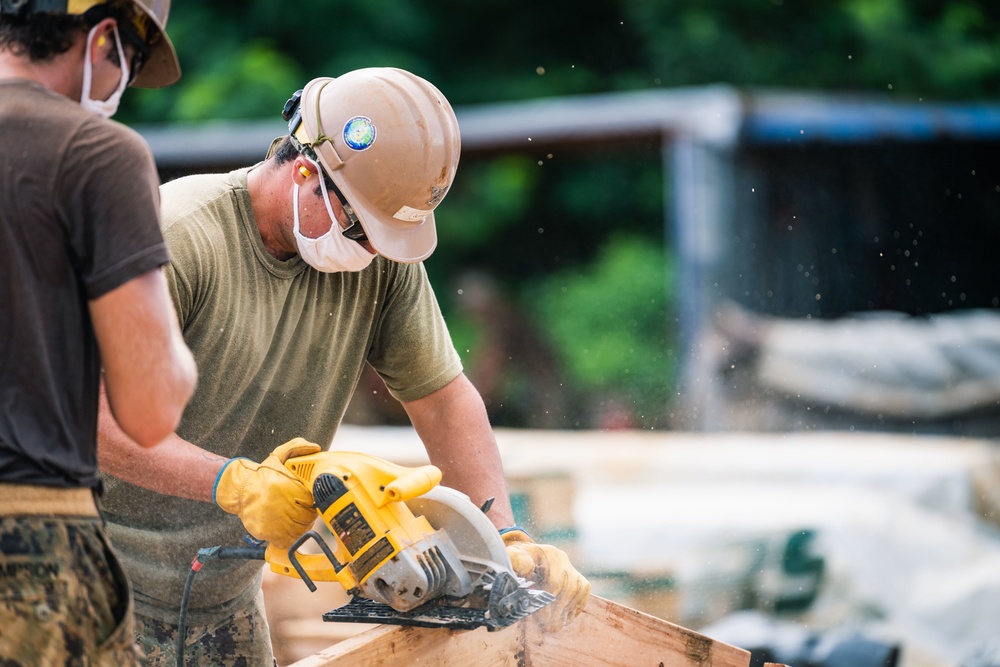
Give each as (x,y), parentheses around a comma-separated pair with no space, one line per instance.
(280,347)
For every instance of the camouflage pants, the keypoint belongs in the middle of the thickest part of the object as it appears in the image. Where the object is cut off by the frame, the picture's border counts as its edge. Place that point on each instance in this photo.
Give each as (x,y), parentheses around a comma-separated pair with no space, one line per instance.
(64,599)
(241,640)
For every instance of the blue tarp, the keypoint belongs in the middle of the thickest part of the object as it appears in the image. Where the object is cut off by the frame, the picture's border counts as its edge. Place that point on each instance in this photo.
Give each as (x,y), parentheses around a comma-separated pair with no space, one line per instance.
(839,121)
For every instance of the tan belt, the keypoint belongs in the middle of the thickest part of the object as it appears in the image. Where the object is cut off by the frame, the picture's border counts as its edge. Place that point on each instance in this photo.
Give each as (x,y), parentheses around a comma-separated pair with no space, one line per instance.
(31,500)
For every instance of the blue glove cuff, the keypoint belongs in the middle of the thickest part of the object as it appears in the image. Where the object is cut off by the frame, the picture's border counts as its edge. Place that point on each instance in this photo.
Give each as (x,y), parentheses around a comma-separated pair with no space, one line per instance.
(219,476)
(509,529)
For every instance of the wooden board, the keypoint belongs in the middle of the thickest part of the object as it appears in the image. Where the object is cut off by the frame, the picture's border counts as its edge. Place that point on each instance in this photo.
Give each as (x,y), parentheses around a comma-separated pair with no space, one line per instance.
(606,634)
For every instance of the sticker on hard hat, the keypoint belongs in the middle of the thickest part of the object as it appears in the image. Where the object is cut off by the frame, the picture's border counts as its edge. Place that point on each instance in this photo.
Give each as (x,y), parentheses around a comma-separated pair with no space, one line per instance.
(359,133)
(408,214)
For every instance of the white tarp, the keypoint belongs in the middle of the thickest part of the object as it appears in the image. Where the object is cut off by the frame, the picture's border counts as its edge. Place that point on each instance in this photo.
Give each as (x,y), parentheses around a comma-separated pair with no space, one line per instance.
(886,363)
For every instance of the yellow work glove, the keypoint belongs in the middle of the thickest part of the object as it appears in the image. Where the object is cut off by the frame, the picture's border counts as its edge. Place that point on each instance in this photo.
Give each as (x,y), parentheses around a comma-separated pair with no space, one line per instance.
(551,570)
(273,504)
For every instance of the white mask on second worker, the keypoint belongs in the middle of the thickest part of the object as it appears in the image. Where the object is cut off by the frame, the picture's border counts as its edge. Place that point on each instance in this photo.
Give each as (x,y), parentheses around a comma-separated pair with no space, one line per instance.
(108,107)
(331,252)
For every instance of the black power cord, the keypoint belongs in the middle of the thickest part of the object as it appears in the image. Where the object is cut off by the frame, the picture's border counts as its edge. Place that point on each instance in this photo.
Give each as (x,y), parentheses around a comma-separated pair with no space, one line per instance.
(205,555)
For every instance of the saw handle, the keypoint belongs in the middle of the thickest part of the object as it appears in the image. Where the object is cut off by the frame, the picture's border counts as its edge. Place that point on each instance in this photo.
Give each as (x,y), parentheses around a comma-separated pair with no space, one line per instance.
(293,557)
(412,483)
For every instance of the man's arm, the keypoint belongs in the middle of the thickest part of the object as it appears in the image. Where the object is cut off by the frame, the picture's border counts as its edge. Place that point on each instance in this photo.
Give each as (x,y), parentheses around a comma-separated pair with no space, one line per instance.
(175,468)
(454,427)
(149,372)
(273,504)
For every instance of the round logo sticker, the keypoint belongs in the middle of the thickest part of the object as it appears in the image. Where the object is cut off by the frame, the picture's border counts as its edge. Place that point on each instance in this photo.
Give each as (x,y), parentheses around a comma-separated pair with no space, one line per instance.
(359,133)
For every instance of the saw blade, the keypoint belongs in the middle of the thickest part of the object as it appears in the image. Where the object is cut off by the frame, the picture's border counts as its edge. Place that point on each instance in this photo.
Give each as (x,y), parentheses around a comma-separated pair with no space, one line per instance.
(511,599)
(506,597)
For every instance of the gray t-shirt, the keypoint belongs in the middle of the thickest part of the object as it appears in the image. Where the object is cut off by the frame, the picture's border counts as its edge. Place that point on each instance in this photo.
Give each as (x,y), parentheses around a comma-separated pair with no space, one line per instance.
(280,347)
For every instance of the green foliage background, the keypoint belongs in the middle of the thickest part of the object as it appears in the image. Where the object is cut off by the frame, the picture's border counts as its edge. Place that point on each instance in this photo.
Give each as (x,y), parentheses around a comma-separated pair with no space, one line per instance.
(610,319)
(239,57)
(576,241)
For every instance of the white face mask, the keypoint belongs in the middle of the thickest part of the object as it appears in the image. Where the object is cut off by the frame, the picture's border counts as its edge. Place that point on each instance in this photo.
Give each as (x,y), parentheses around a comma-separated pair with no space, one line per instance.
(108,107)
(331,252)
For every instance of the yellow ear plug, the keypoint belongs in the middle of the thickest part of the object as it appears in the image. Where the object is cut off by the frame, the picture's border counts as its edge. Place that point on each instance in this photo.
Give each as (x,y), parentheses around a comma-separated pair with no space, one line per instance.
(101,41)
(305,172)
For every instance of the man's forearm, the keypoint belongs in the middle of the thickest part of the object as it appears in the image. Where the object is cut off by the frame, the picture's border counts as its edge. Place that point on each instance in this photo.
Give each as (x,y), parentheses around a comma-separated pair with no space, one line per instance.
(475,469)
(174,467)
(149,372)
(454,427)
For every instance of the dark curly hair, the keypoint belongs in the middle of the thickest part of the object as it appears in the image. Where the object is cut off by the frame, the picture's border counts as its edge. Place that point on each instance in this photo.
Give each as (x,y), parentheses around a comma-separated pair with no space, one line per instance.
(43,36)
(285,151)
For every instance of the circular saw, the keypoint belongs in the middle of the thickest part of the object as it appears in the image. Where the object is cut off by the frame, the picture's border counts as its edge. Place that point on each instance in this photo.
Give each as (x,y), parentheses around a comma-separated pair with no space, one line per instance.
(410,552)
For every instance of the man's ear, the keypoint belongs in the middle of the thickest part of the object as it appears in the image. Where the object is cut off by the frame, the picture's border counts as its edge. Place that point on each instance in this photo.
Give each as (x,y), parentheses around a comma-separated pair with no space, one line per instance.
(301,170)
(103,40)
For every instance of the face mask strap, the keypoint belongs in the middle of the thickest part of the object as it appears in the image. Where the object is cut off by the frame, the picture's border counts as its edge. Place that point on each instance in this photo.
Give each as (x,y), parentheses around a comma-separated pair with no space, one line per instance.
(106,107)
(334,223)
(344,255)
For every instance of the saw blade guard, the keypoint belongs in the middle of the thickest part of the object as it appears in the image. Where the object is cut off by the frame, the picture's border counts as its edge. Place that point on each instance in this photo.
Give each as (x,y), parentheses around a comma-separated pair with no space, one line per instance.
(473,534)
(465,553)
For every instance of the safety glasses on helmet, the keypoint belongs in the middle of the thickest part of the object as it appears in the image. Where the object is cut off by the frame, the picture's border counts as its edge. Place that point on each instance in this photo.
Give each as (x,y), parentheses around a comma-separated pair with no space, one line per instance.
(354,231)
(293,114)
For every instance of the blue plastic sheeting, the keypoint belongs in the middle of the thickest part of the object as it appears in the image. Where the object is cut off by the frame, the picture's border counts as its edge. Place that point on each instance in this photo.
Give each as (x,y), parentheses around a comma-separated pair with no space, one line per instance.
(840,122)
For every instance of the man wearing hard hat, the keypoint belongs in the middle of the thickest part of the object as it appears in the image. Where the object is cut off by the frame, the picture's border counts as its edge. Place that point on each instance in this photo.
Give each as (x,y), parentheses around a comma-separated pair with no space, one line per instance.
(288,277)
(82,293)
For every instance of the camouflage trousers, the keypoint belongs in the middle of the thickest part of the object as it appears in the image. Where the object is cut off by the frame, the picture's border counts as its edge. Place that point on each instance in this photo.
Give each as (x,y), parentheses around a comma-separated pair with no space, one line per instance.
(241,640)
(64,599)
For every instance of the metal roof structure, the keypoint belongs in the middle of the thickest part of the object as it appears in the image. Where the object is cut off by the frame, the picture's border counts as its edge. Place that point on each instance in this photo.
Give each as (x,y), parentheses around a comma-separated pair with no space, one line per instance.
(718,115)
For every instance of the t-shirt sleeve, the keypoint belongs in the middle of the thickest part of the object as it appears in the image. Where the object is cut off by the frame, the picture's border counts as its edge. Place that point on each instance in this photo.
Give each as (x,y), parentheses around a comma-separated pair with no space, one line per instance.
(198,247)
(181,274)
(110,183)
(413,351)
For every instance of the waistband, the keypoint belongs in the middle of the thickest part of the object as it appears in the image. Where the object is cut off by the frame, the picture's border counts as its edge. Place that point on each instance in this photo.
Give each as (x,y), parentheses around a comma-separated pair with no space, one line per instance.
(32,500)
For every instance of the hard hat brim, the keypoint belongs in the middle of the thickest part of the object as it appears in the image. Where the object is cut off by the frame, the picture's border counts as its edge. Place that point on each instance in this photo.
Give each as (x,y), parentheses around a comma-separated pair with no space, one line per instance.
(393,239)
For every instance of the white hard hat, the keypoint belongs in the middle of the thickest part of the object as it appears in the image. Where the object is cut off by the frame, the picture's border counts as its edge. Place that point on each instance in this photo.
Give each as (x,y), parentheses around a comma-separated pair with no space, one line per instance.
(389,141)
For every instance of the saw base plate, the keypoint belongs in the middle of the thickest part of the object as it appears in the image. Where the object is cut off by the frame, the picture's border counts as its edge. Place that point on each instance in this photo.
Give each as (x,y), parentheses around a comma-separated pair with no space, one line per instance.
(363,610)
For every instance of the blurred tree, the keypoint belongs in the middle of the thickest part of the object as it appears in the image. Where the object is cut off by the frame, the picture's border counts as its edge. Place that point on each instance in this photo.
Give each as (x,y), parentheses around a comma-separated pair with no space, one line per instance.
(528,223)
(611,322)
(922,48)
(510,360)
(516,49)
(243,86)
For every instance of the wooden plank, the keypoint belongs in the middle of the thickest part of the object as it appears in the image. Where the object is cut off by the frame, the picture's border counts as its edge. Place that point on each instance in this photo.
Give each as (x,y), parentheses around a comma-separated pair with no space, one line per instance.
(390,646)
(611,634)
(295,616)
(606,634)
